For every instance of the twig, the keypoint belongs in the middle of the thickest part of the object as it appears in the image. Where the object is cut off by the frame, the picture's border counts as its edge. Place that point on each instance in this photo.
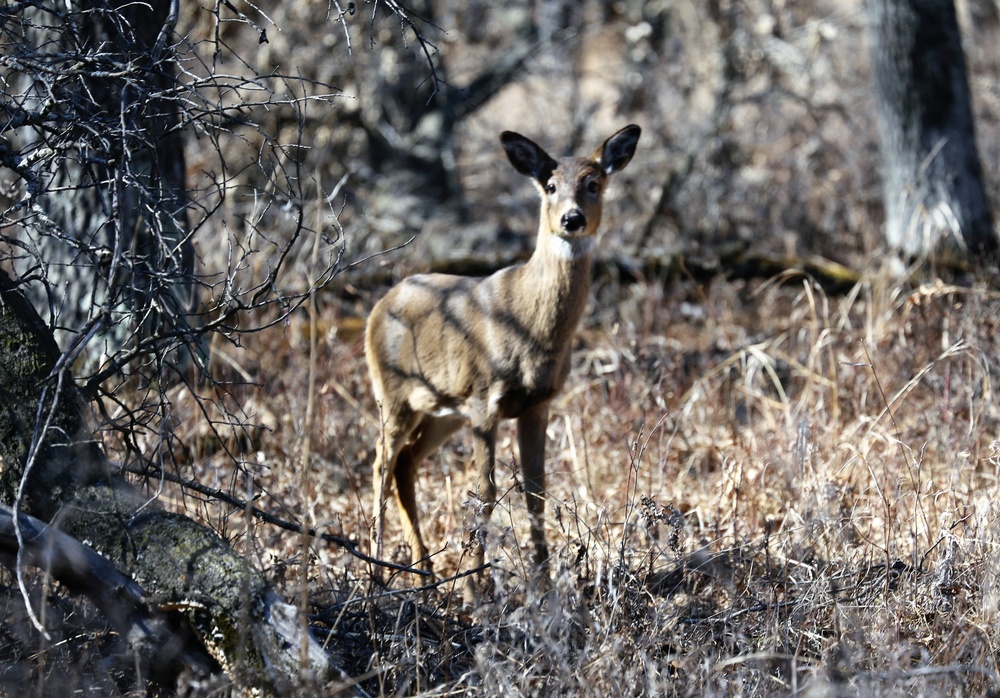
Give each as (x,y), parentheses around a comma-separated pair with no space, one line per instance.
(237,503)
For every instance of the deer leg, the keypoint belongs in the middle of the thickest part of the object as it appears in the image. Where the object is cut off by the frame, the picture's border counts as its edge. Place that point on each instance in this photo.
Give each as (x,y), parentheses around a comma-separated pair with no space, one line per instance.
(531,446)
(382,474)
(406,498)
(394,435)
(484,451)
(432,432)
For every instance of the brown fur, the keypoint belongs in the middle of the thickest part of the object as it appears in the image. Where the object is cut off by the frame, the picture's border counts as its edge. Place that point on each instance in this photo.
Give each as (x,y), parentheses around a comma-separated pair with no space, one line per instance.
(444,350)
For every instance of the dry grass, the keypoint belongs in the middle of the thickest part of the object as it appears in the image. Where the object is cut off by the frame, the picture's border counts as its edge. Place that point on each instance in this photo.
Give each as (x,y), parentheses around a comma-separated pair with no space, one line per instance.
(755,488)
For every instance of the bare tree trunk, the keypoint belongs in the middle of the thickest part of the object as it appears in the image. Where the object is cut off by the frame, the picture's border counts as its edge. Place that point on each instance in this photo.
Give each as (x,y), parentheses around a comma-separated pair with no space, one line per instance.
(933,187)
(111,226)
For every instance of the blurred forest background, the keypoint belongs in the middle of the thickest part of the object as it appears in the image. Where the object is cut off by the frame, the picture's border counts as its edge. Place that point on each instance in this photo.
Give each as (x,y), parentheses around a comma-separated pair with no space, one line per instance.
(758,119)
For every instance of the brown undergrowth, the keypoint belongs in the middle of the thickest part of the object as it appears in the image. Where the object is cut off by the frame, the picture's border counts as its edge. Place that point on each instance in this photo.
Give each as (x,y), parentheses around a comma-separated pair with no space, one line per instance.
(755,488)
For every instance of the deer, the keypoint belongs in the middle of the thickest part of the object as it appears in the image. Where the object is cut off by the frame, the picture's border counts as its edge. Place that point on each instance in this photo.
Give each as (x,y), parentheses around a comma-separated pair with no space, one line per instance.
(445,350)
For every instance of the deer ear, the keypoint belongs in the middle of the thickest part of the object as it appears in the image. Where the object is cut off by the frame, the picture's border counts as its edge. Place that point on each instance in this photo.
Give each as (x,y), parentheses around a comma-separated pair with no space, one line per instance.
(527,157)
(618,150)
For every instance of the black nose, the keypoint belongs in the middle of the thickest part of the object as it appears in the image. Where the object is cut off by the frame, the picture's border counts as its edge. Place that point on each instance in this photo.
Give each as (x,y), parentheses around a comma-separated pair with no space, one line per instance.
(574,221)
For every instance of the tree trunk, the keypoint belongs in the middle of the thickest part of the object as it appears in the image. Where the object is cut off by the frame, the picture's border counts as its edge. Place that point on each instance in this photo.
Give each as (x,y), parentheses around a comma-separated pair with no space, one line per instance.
(933,188)
(109,216)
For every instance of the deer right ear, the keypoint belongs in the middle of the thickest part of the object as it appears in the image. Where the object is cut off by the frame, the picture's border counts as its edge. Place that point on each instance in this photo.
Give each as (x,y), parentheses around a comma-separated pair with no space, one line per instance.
(527,157)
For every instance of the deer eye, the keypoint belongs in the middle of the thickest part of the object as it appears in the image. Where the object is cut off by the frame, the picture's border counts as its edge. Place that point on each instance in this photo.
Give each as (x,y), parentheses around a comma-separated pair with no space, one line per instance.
(550,188)
(592,186)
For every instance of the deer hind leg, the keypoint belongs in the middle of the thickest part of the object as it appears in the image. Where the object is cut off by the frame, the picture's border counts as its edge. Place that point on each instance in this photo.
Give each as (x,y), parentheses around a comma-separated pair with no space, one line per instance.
(429,435)
(396,432)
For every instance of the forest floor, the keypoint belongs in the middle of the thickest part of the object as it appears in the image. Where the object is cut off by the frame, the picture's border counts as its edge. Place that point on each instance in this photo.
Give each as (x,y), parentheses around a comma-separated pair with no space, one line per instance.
(755,487)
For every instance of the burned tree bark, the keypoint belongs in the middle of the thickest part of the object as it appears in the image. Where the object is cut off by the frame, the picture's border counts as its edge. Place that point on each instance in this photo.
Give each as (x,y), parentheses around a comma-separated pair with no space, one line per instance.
(933,187)
(50,468)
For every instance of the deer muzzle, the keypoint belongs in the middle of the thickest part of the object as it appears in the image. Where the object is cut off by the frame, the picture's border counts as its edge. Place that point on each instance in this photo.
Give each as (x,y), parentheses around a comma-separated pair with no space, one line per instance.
(573,221)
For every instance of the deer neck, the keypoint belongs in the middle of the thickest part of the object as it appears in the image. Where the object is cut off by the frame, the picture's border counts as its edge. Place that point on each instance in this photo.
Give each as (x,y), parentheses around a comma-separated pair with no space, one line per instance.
(555,284)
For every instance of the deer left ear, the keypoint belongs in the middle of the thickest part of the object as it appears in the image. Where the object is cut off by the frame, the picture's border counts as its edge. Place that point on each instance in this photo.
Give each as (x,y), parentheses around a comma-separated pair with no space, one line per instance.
(618,150)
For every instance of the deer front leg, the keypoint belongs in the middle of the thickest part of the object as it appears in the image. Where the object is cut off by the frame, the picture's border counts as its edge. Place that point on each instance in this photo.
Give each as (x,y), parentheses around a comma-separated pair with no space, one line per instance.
(484,452)
(531,446)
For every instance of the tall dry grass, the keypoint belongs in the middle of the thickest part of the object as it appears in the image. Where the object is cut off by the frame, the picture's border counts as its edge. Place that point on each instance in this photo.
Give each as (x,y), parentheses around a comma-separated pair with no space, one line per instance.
(755,488)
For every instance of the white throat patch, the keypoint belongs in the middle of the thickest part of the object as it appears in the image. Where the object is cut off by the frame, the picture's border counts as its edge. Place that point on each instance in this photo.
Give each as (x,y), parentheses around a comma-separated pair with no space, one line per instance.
(571,249)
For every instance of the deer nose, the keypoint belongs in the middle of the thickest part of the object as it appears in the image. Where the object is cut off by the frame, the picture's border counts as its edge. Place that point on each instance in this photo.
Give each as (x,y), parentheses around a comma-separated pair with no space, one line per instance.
(573,221)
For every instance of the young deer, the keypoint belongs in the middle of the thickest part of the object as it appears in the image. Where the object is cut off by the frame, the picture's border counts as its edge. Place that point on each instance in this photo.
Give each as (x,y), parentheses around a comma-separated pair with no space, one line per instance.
(444,350)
